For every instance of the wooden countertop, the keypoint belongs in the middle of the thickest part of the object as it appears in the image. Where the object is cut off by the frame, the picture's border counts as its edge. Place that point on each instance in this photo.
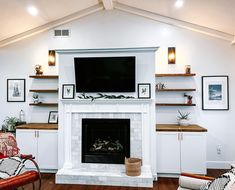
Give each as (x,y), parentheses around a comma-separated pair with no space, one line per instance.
(43,126)
(175,127)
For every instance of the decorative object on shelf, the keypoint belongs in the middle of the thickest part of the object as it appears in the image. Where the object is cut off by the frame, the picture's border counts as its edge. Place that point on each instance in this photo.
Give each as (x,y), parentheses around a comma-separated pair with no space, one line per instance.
(35,98)
(51,58)
(183,118)
(144,90)
(10,123)
(187,69)
(189,98)
(68,91)
(53,117)
(215,92)
(160,86)
(171,55)
(15,90)
(22,116)
(133,166)
(104,96)
(38,69)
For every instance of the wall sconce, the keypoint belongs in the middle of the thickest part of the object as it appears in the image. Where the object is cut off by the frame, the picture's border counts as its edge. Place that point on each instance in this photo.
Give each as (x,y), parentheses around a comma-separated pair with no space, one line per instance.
(171,55)
(51,57)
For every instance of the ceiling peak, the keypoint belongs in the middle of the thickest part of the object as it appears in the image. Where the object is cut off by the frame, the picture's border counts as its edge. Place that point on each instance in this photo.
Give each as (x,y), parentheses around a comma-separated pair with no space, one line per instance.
(233,42)
(108,4)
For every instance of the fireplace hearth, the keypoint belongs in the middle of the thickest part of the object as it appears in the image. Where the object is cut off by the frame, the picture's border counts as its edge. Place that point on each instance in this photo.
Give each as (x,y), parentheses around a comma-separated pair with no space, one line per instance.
(105,140)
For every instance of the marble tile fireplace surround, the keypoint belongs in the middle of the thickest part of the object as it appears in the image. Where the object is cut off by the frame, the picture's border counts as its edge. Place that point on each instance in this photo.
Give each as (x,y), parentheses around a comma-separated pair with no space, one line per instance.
(75,171)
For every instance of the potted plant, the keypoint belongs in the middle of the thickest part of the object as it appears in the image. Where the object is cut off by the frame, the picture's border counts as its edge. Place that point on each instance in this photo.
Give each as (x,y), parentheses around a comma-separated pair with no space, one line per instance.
(35,97)
(10,123)
(183,118)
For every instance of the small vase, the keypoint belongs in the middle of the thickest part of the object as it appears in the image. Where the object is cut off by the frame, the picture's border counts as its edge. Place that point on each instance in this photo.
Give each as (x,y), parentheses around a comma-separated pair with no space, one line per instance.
(36,100)
(183,122)
(10,128)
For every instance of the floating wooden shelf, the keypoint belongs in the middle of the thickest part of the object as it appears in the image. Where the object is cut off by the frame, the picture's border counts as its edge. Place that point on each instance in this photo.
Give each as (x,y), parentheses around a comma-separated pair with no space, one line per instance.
(43,90)
(174,104)
(44,76)
(175,75)
(176,128)
(44,126)
(176,90)
(44,104)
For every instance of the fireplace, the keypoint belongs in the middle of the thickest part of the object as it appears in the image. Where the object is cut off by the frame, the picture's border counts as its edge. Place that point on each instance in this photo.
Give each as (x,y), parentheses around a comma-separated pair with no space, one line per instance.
(105,140)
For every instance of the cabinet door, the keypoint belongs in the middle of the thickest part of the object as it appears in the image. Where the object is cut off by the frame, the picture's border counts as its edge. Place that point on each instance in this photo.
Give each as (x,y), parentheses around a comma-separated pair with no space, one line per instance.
(168,152)
(193,153)
(47,149)
(27,143)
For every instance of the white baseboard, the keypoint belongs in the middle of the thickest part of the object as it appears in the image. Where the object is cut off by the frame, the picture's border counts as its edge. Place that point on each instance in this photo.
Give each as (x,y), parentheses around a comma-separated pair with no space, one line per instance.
(219,164)
(168,175)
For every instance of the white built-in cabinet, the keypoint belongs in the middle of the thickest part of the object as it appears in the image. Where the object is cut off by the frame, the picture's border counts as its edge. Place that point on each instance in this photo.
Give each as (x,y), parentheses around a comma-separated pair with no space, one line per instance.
(40,143)
(181,152)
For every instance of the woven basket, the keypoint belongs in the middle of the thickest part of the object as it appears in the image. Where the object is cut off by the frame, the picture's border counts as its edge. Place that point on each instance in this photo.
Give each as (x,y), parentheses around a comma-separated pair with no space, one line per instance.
(133,166)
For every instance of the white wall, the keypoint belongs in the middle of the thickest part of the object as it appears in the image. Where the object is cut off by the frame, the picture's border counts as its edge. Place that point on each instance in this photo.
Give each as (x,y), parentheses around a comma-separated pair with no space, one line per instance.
(18,61)
(206,55)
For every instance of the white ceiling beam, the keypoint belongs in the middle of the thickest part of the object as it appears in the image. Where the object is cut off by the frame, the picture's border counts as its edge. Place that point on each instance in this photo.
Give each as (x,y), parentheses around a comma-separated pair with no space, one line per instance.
(108,4)
(175,22)
(51,25)
(233,42)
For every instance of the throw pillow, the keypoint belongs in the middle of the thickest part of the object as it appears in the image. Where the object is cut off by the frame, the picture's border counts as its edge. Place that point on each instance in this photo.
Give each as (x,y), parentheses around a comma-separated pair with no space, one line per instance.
(8,145)
(223,182)
(11,166)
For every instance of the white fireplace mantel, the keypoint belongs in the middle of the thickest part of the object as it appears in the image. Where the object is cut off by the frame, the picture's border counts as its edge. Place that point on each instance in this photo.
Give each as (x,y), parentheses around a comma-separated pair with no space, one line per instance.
(107,105)
(124,106)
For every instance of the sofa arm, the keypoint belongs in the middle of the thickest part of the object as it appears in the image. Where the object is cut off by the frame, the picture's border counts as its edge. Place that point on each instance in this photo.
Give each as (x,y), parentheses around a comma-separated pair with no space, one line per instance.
(194,182)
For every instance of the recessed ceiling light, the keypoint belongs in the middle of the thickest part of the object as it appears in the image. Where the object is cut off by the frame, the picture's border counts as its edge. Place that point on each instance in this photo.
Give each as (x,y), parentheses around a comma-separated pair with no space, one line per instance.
(179,3)
(32,10)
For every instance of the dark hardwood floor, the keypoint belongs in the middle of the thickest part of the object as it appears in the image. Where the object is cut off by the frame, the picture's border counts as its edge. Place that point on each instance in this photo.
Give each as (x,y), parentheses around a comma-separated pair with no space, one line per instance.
(48,183)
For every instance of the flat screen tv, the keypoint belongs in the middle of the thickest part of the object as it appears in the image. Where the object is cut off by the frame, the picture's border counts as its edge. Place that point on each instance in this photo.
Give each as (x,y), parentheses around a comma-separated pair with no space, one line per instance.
(105,74)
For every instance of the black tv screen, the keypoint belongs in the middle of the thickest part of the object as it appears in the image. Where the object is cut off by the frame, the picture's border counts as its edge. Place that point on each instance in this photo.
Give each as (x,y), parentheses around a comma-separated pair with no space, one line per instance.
(105,74)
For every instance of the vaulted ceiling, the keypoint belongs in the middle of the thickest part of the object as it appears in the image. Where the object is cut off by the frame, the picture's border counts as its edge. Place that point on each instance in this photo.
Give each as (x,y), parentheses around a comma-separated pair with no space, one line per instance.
(218,15)
(215,14)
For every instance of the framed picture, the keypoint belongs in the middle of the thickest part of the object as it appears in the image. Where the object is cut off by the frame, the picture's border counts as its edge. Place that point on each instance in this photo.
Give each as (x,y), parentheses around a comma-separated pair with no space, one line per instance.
(144,91)
(215,93)
(15,90)
(53,117)
(68,91)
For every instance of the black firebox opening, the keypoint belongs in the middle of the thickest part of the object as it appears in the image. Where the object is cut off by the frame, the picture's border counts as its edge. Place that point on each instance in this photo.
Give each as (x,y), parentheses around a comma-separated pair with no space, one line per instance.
(105,140)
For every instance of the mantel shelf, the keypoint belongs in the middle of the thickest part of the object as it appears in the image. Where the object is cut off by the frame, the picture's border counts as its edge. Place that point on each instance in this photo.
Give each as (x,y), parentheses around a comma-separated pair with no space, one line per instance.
(44,90)
(44,76)
(44,104)
(108,101)
(176,90)
(174,104)
(175,75)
